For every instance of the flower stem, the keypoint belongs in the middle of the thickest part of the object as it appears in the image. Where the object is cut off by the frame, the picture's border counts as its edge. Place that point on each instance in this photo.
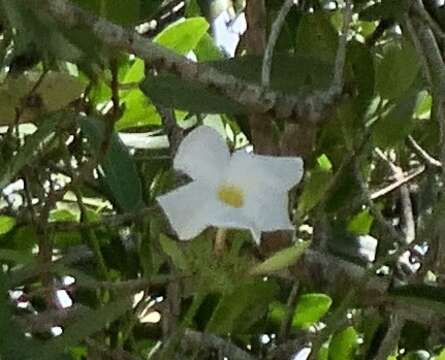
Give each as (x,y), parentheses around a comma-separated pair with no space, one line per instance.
(220,242)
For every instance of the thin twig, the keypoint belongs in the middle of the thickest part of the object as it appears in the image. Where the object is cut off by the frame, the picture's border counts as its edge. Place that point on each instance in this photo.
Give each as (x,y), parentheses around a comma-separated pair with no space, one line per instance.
(290,308)
(397,184)
(174,132)
(376,212)
(106,221)
(338,79)
(423,154)
(392,336)
(405,199)
(273,37)
(436,67)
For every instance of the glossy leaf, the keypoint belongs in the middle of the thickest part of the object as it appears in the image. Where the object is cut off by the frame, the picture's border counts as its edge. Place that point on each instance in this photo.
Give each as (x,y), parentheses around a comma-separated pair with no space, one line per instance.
(183,36)
(397,124)
(313,191)
(281,259)
(361,223)
(310,309)
(398,69)
(7,223)
(317,37)
(343,344)
(122,12)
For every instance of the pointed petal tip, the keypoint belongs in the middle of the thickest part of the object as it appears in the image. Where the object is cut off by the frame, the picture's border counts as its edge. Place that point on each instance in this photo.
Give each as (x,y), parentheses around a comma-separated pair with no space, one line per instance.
(202,154)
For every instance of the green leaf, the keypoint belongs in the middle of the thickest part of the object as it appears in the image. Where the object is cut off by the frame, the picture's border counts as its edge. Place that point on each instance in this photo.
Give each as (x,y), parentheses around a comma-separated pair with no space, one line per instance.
(362,65)
(58,89)
(139,111)
(7,223)
(281,259)
(119,172)
(361,223)
(14,256)
(313,191)
(186,95)
(441,356)
(206,50)
(310,309)
(55,91)
(424,105)
(277,312)
(398,69)
(396,125)
(121,12)
(343,344)
(172,249)
(26,153)
(317,37)
(238,310)
(324,163)
(135,73)
(183,35)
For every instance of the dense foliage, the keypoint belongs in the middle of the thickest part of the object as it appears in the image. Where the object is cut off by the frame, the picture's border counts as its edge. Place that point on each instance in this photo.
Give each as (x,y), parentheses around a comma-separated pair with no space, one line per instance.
(97,95)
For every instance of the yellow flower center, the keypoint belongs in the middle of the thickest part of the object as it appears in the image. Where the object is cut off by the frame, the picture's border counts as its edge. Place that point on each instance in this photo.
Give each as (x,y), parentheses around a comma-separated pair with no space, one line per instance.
(231,195)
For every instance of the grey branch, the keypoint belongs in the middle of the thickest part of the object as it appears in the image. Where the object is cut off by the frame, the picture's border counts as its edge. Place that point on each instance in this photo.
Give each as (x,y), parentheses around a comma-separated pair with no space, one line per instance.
(436,67)
(425,16)
(391,339)
(254,97)
(194,339)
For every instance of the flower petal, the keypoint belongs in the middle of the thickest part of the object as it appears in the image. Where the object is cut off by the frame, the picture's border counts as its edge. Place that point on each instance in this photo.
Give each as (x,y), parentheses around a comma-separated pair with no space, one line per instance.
(268,210)
(260,171)
(203,155)
(220,215)
(185,208)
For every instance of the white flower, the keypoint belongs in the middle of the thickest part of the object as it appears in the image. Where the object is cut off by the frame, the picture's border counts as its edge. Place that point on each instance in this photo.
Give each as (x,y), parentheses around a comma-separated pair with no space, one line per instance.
(244,191)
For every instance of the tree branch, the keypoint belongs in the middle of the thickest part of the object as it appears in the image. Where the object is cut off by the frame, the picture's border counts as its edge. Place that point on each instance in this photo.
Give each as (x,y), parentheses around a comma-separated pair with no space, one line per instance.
(194,339)
(391,339)
(253,96)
